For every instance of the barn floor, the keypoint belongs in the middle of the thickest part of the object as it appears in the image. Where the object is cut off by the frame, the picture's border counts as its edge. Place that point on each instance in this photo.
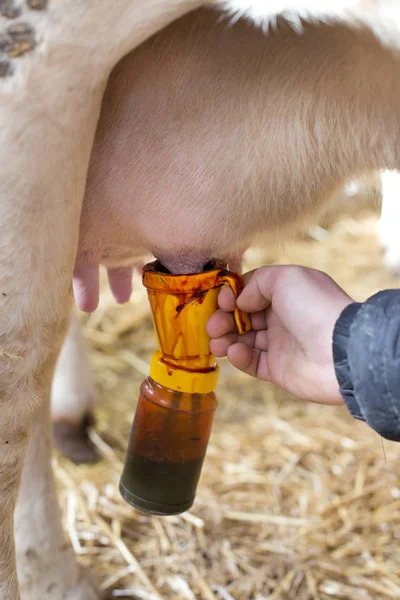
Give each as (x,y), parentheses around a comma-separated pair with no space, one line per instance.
(295,501)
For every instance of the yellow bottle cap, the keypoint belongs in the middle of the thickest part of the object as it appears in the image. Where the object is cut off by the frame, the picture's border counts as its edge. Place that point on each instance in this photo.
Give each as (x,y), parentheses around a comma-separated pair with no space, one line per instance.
(183,380)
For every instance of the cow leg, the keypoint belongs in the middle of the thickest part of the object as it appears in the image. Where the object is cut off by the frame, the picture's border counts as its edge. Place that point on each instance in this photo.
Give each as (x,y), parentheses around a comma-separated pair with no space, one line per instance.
(53,71)
(41,190)
(72,399)
(48,115)
(45,560)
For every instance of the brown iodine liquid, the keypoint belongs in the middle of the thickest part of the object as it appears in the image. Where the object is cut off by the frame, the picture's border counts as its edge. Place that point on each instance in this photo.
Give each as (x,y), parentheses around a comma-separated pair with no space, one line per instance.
(167,447)
(161,488)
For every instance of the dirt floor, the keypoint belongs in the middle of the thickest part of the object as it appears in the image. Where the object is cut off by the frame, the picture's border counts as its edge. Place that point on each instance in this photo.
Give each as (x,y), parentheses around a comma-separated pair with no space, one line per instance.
(295,501)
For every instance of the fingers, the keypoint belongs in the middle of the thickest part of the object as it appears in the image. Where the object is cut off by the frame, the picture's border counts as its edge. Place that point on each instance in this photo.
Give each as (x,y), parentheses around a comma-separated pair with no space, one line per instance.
(265,283)
(257,340)
(219,347)
(221,327)
(254,339)
(257,294)
(259,320)
(220,324)
(249,360)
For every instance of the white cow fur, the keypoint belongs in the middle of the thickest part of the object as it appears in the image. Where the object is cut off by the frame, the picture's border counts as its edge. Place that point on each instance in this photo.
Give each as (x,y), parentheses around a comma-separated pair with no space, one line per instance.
(48,114)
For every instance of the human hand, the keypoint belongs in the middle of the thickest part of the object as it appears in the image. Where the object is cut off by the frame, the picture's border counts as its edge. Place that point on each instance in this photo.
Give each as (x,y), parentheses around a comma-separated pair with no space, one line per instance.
(293,312)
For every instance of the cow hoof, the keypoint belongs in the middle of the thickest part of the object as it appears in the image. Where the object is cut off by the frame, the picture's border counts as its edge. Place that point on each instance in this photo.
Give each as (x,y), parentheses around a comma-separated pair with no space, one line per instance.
(72,440)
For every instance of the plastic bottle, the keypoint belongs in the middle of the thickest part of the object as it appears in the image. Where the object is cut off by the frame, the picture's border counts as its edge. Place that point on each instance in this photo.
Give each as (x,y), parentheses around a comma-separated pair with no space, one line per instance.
(177,403)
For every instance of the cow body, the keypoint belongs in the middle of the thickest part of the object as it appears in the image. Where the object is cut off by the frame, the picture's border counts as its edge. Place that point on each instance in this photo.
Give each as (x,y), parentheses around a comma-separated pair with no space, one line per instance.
(212,137)
(54,64)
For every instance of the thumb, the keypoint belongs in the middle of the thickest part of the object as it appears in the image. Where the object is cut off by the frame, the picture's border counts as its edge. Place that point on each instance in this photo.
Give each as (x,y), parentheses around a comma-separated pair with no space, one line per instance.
(259,289)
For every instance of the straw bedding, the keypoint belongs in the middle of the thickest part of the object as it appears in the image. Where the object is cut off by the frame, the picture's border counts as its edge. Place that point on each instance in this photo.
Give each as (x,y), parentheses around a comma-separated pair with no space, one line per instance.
(295,500)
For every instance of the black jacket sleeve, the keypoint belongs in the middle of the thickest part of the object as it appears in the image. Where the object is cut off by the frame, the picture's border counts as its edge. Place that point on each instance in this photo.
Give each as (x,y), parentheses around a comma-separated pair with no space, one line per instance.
(366,352)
